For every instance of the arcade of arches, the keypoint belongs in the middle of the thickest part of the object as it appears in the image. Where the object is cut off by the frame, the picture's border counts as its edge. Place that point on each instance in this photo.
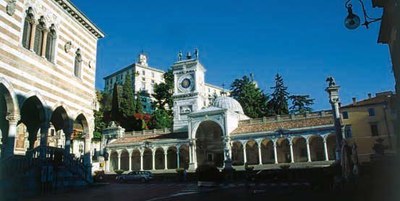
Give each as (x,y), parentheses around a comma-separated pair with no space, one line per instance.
(30,123)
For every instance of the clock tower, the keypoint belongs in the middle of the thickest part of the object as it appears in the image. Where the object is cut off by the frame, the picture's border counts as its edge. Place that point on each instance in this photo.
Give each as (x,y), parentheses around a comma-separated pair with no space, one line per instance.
(189,89)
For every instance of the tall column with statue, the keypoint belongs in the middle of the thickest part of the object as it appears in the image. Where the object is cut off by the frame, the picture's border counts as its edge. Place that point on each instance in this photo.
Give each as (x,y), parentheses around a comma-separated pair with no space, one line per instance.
(333,91)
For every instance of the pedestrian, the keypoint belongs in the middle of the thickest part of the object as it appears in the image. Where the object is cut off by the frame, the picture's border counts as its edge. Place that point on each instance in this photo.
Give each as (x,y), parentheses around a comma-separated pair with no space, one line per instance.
(184,175)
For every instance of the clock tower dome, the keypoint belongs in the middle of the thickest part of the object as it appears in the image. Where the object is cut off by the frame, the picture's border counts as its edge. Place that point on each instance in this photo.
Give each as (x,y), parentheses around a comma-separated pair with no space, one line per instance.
(189,89)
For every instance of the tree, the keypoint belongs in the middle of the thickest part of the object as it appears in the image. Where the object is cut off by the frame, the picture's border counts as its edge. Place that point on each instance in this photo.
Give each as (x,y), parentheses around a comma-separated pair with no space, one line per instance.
(163,92)
(127,106)
(279,97)
(99,123)
(115,114)
(138,104)
(252,98)
(301,104)
(161,119)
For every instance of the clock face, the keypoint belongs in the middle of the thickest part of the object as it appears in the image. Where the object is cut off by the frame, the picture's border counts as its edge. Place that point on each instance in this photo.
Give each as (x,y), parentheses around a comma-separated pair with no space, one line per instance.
(185,83)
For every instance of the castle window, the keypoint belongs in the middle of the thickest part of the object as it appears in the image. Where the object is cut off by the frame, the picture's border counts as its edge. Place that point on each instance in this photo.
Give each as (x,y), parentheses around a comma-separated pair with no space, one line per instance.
(51,44)
(371,112)
(39,37)
(345,115)
(374,129)
(28,26)
(347,131)
(78,63)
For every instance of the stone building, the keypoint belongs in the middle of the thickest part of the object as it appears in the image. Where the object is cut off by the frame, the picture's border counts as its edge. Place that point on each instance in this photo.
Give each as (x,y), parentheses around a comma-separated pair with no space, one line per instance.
(47,79)
(222,134)
(143,79)
(369,120)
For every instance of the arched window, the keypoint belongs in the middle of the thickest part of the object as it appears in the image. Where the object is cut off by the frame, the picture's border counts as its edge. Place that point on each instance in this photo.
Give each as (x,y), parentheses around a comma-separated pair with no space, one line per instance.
(51,44)
(78,63)
(28,24)
(39,36)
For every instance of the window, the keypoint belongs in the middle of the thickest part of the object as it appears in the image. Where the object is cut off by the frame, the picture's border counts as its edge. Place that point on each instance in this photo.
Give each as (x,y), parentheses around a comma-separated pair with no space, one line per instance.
(51,44)
(39,37)
(152,74)
(143,79)
(143,72)
(347,131)
(371,112)
(28,24)
(345,115)
(78,63)
(374,129)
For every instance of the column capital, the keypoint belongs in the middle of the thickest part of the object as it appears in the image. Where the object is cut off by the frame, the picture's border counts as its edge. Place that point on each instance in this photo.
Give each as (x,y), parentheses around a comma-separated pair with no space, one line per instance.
(11,118)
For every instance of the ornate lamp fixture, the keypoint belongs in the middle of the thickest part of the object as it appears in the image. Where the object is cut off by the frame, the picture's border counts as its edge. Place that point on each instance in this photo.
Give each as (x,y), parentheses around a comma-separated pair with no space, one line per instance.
(352,21)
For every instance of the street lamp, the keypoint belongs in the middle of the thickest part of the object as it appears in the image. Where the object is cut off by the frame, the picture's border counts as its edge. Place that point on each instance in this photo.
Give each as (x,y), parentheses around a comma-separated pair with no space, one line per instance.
(352,21)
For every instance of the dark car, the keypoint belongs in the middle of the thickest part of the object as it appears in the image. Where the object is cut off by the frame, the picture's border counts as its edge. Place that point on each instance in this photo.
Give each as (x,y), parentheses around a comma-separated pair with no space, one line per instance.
(143,176)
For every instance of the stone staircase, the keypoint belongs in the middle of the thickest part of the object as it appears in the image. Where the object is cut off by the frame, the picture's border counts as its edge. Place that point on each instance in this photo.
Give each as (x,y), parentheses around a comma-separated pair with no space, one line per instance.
(41,170)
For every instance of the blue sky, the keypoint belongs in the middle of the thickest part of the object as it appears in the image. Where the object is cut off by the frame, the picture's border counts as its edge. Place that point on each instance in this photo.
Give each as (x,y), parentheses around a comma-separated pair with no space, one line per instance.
(304,41)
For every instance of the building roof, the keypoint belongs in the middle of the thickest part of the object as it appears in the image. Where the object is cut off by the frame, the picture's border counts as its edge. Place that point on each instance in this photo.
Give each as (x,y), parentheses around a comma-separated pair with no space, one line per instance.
(152,137)
(381,98)
(80,17)
(132,66)
(229,103)
(247,126)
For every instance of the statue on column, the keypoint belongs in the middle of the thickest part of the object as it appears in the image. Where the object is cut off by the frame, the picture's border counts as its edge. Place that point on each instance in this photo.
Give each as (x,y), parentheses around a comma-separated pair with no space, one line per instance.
(180,56)
(331,81)
(196,53)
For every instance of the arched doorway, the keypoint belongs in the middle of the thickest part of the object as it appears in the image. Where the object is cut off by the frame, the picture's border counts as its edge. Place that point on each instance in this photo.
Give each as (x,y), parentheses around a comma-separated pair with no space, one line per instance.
(209,145)
(124,160)
(317,148)
(283,149)
(147,159)
(331,146)
(59,120)
(252,152)
(113,161)
(184,156)
(159,160)
(172,158)
(8,106)
(135,159)
(32,116)
(80,133)
(237,153)
(300,149)
(267,151)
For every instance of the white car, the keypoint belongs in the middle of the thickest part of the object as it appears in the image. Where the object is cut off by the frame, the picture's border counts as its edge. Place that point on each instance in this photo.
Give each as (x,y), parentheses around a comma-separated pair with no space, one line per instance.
(143,176)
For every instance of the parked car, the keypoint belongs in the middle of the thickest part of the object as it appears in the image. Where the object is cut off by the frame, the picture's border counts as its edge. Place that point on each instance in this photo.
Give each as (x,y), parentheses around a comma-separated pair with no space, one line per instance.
(143,176)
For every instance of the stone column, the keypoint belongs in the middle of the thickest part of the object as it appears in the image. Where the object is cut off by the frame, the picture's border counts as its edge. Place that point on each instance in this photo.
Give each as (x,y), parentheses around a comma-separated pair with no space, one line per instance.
(119,159)
(68,130)
(32,39)
(107,163)
(244,154)
(326,150)
(141,159)
(177,158)
(165,159)
(12,132)
(275,153)
(333,92)
(291,151)
(259,154)
(308,150)
(44,132)
(44,43)
(130,159)
(153,155)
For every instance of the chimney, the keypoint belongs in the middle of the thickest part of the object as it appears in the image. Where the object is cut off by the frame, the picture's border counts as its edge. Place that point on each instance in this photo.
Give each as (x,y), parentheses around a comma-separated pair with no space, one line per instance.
(369,95)
(354,100)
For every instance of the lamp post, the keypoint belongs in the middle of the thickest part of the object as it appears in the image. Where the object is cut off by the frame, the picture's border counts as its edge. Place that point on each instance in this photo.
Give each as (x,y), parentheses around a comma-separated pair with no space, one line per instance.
(352,21)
